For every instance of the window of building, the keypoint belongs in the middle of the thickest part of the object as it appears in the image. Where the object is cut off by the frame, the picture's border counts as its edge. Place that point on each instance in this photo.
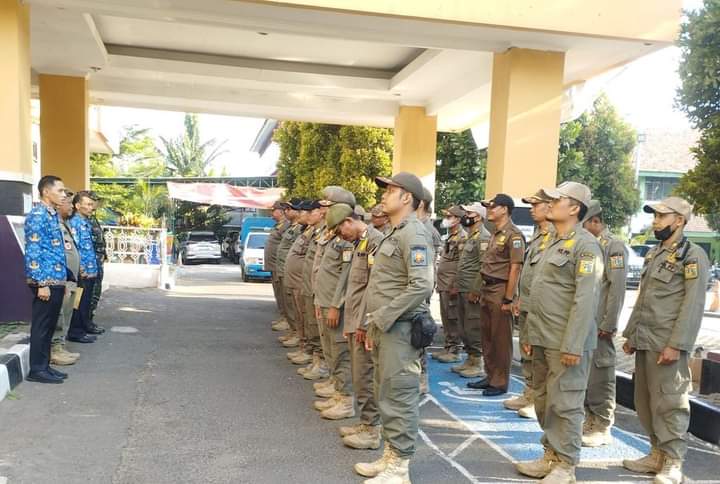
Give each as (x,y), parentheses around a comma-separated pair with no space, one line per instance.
(657,188)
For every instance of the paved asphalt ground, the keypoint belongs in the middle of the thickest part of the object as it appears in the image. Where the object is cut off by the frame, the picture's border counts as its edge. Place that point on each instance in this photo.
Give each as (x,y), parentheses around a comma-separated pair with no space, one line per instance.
(202,393)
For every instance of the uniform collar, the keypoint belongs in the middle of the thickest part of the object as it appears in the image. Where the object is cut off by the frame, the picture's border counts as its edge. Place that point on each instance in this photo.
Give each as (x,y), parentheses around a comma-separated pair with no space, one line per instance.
(410,217)
(51,210)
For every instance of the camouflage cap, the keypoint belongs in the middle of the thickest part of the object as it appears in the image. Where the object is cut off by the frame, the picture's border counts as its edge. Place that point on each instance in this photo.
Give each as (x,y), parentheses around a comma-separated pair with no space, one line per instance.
(336,214)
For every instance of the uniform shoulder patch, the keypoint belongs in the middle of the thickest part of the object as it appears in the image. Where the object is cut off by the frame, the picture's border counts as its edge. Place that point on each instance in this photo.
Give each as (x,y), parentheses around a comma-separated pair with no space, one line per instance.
(517,243)
(691,270)
(418,256)
(347,254)
(617,261)
(586,264)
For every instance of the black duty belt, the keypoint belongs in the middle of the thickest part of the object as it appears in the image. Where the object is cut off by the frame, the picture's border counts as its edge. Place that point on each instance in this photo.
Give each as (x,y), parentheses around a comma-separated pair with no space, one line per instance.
(491,281)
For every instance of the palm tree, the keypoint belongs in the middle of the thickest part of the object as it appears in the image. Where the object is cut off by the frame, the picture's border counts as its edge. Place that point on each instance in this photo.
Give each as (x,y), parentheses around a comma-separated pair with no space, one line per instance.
(185,155)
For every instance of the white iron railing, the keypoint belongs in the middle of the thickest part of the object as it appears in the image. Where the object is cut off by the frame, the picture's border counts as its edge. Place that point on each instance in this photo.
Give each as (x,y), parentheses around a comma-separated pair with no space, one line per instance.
(135,245)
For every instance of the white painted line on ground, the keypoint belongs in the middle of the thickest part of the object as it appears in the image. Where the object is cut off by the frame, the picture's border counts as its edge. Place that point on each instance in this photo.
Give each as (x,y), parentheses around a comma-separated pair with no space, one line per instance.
(464,445)
(4,386)
(458,467)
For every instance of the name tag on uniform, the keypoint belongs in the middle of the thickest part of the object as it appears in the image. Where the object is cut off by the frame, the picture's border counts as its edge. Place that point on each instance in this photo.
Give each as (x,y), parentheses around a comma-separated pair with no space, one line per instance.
(347,255)
(617,261)
(371,260)
(586,265)
(483,246)
(418,256)
(691,270)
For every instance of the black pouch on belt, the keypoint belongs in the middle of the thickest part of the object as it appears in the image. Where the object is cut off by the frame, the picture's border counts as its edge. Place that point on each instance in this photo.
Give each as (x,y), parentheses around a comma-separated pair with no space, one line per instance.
(423,331)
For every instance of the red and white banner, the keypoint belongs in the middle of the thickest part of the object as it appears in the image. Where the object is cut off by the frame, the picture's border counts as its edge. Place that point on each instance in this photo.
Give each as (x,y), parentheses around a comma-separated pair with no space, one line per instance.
(224,194)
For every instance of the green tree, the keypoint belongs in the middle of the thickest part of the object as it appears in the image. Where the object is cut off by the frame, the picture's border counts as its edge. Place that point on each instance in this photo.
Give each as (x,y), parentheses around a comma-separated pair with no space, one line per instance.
(314,155)
(699,98)
(461,170)
(186,155)
(596,149)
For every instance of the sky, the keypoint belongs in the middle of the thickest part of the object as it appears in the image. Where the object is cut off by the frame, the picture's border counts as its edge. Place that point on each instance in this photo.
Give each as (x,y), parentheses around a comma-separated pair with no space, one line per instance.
(643,93)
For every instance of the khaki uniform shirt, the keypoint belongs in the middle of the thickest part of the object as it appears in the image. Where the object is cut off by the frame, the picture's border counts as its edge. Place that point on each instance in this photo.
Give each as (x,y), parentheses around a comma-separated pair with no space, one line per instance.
(273,240)
(448,262)
(358,279)
(563,295)
(671,300)
(401,275)
(72,256)
(307,287)
(333,273)
(320,245)
(434,234)
(535,249)
(288,238)
(295,260)
(385,229)
(506,246)
(471,256)
(612,291)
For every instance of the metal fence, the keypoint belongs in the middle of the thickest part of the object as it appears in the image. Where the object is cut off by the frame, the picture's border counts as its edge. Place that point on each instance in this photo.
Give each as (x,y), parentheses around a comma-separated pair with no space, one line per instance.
(134,245)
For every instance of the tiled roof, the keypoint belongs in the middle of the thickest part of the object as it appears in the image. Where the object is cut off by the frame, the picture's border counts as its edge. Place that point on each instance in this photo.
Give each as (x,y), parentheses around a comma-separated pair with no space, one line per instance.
(698,224)
(666,150)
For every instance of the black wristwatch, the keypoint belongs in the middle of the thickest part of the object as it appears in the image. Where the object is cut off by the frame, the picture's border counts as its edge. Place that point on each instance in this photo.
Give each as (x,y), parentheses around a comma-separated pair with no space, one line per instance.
(507,301)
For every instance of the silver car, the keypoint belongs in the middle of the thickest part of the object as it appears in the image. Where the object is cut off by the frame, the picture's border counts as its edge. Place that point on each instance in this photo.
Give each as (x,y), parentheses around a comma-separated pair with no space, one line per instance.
(200,246)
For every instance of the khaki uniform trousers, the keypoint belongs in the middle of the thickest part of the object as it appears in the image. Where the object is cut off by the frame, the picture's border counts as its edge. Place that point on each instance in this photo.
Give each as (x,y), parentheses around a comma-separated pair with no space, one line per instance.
(279,294)
(469,322)
(397,386)
(662,402)
(361,364)
(299,303)
(525,360)
(497,343)
(337,354)
(559,397)
(600,395)
(290,309)
(451,324)
(312,332)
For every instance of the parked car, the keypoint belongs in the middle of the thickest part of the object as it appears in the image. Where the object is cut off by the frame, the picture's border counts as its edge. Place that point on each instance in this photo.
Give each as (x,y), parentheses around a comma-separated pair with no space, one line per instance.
(228,243)
(252,260)
(641,249)
(199,246)
(635,265)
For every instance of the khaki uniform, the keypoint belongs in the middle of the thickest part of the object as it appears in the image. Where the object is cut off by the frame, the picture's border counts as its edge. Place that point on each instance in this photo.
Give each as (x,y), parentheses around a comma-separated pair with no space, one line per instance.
(312,333)
(321,243)
(330,290)
(563,307)
(447,270)
(469,262)
(270,262)
(294,267)
(600,395)
(534,252)
(506,247)
(72,261)
(668,312)
(361,360)
(401,280)
(289,236)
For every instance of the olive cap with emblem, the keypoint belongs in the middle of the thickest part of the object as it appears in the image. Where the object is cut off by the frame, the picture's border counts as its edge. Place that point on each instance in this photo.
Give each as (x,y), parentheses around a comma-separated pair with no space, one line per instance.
(336,214)
(427,196)
(538,197)
(407,181)
(576,191)
(500,200)
(593,209)
(455,210)
(333,194)
(671,205)
(476,207)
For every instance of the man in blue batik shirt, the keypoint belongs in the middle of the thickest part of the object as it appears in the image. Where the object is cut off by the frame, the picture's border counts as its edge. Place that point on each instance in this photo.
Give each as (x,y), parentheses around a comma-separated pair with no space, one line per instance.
(81,327)
(46,273)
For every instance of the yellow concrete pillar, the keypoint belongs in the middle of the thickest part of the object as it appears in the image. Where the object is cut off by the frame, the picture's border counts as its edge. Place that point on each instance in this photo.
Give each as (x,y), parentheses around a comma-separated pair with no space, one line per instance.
(64,129)
(415,147)
(527,90)
(15,123)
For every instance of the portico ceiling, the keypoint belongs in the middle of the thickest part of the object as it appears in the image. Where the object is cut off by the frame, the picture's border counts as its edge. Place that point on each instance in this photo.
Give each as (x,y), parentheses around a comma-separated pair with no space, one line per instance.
(268,59)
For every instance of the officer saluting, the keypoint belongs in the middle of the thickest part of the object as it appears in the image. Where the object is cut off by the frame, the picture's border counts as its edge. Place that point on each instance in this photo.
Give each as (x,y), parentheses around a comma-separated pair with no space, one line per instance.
(661,331)
(562,333)
(401,281)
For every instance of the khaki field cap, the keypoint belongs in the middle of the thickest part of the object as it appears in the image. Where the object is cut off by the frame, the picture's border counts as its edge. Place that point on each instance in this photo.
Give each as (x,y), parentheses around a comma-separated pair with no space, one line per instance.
(475,207)
(538,197)
(333,194)
(407,181)
(455,210)
(336,214)
(671,205)
(576,191)
(593,209)
(427,196)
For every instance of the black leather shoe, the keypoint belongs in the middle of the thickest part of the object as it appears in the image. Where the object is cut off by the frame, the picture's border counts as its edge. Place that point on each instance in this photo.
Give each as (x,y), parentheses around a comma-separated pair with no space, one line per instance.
(95,330)
(44,377)
(479,385)
(493,392)
(57,373)
(83,339)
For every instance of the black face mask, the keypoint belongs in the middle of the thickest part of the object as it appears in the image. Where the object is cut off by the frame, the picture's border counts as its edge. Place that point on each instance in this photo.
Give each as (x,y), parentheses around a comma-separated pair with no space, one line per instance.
(664,233)
(467,221)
